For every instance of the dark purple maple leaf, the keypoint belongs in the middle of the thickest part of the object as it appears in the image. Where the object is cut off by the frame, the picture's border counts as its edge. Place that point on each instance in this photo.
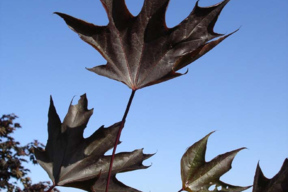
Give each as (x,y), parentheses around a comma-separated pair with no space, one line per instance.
(279,183)
(74,161)
(141,50)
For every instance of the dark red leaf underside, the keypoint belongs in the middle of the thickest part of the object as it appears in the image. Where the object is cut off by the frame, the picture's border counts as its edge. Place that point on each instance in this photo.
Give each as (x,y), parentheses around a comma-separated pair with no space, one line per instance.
(141,50)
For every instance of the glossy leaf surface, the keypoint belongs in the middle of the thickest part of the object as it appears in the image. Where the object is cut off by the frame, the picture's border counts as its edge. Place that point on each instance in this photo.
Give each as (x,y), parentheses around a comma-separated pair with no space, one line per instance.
(279,183)
(75,161)
(141,50)
(198,175)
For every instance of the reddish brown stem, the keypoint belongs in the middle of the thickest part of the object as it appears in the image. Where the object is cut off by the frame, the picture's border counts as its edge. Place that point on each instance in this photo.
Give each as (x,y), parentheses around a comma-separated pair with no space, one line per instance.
(118,137)
(50,189)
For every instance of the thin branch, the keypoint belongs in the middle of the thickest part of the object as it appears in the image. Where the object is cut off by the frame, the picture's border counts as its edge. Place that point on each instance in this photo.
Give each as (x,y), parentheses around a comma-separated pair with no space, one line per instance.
(118,137)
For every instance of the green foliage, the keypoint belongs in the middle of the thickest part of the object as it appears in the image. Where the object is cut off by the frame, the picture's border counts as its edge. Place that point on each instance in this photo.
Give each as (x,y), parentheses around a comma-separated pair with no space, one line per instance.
(199,175)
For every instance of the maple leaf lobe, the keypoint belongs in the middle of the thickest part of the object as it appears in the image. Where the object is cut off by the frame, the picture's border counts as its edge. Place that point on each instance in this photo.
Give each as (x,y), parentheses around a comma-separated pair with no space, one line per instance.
(279,183)
(141,50)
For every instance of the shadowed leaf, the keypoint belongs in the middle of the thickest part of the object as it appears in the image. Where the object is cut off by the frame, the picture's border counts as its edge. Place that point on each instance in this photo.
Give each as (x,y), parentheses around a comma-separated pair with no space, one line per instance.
(198,175)
(141,50)
(279,183)
(75,161)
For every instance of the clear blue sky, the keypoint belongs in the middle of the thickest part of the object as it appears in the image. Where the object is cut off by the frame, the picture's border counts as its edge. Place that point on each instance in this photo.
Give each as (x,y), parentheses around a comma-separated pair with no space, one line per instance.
(240,88)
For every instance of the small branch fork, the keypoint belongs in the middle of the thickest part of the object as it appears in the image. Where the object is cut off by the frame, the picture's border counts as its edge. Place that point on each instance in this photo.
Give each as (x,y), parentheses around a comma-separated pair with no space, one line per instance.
(118,137)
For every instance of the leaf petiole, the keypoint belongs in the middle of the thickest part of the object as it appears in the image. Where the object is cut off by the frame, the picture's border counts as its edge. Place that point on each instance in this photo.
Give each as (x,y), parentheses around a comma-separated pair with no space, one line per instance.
(118,137)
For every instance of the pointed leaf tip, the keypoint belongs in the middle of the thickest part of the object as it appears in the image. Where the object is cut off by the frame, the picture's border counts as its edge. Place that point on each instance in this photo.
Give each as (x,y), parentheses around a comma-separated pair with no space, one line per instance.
(146,156)
(52,113)
(211,133)
(51,100)
(232,33)
(62,15)
(278,183)
(82,103)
